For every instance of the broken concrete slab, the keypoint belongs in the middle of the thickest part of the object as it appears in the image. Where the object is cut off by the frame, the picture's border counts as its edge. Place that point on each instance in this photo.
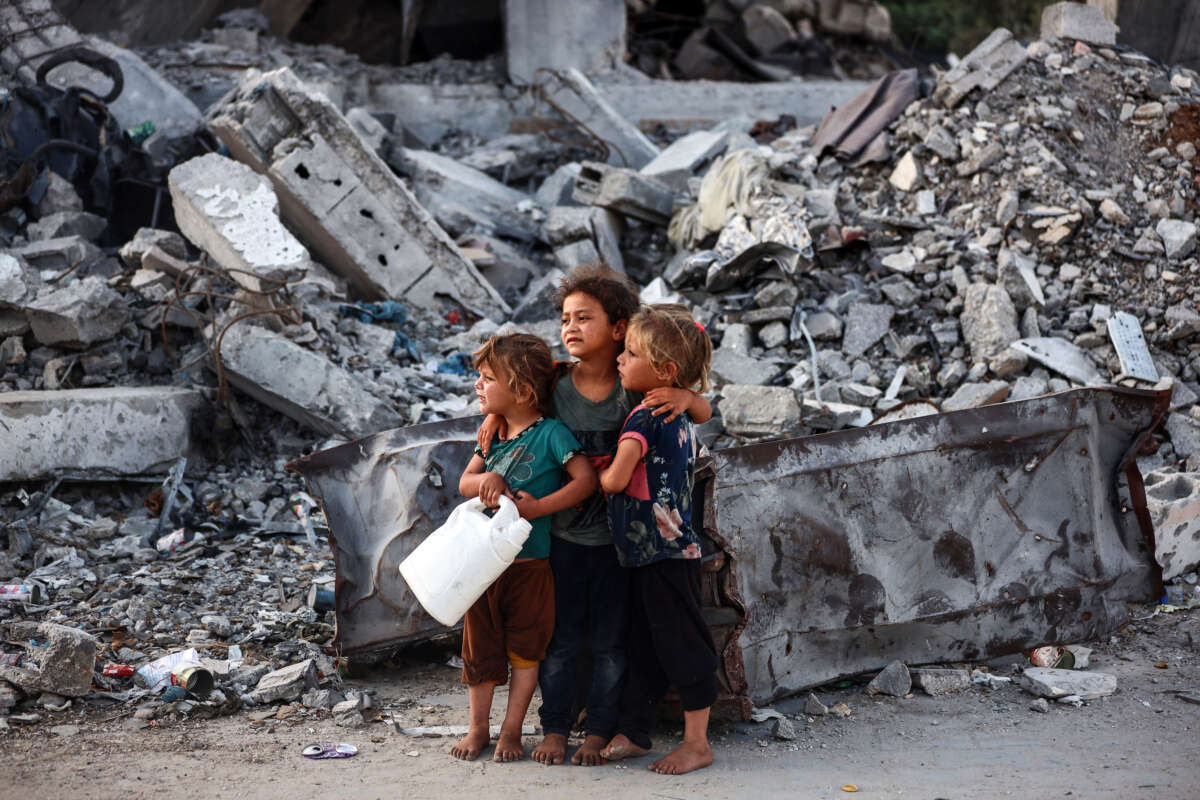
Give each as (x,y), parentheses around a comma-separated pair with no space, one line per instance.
(551,35)
(61,254)
(865,324)
(464,199)
(985,67)
(625,192)
(67,223)
(1178,237)
(98,433)
(679,160)
(341,197)
(17,282)
(231,212)
(973,395)
(168,242)
(1084,23)
(62,663)
(1184,432)
(1063,357)
(78,314)
(304,385)
(893,680)
(758,410)
(988,320)
(738,367)
(289,683)
(558,189)
(1173,500)
(1056,683)
(571,92)
(937,682)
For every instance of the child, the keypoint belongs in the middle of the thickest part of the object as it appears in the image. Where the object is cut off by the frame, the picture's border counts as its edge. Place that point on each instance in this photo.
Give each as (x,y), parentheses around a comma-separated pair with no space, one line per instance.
(649,483)
(590,586)
(512,622)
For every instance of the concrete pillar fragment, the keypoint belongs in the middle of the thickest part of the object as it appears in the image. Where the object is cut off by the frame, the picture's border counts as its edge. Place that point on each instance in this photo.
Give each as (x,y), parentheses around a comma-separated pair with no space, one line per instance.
(341,198)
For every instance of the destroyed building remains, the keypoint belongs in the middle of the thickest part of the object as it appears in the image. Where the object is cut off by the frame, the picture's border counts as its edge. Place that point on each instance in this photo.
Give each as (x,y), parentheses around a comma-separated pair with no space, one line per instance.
(978,283)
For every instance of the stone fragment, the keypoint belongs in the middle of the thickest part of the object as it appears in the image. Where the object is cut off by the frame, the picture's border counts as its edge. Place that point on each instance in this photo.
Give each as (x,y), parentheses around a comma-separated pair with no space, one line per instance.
(62,663)
(973,395)
(321,698)
(907,174)
(231,212)
(60,195)
(348,714)
(678,161)
(464,199)
(1006,208)
(368,128)
(168,242)
(936,682)
(1113,212)
(981,159)
(301,384)
(559,188)
(1040,705)
(926,202)
(78,314)
(758,410)
(625,192)
(342,198)
(67,223)
(1184,432)
(783,730)
(1173,500)
(839,709)
(985,67)
(989,320)
(894,680)
(1027,387)
(217,624)
(1178,237)
(1063,357)
(61,254)
(1148,112)
(766,29)
(902,262)
(939,140)
(107,433)
(571,92)
(866,324)
(288,683)
(1008,362)
(738,367)
(550,35)
(814,707)
(1057,683)
(860,394)
(823,325)
(16,282)
(1084,23)
(773,334)
(1017,273)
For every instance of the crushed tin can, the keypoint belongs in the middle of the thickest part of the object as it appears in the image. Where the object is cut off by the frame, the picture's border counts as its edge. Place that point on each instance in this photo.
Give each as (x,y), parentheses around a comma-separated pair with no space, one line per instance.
(20,593)
(194,678)
(170,542)
(1052,656)
(118,670)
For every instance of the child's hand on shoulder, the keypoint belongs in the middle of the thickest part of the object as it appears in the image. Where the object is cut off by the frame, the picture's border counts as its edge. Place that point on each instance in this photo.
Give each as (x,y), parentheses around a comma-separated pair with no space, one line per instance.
(492,425)
(668,400)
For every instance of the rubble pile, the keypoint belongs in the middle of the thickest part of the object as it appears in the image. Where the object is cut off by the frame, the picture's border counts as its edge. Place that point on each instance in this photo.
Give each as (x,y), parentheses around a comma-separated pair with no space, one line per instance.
(1012,227)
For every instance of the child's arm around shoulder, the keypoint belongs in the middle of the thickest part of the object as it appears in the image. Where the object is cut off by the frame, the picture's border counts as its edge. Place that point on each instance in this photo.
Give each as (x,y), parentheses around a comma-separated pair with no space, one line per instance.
(616,476)
(581,484)
(673,402)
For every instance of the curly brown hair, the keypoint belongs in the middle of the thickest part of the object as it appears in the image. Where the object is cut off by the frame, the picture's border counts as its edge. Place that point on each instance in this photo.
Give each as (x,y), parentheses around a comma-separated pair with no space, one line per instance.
(668,334)
(616,295)
(523,361)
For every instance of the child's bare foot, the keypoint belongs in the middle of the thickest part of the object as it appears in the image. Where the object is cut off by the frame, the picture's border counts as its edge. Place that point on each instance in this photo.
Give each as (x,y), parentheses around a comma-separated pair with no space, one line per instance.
(508,747)
(588,754)
(552,750)
(620,747)
(469,747)
(685,758)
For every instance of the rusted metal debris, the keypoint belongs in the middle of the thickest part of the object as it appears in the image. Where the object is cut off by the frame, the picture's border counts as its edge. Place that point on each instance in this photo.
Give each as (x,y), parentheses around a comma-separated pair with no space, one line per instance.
(957,536)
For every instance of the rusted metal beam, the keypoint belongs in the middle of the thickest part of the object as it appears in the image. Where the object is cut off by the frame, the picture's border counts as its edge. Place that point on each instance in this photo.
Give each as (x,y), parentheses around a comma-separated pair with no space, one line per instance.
(949,537)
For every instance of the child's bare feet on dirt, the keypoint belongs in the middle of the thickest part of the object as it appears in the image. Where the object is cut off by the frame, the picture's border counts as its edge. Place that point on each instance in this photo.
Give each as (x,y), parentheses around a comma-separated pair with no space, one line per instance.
(469,747)
(588,754)
(508,747)
(552,750)
(685,758)
(620,747)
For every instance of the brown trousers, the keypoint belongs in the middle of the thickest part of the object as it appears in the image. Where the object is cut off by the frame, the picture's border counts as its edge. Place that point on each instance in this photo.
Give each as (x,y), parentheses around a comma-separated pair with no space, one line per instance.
(515,615)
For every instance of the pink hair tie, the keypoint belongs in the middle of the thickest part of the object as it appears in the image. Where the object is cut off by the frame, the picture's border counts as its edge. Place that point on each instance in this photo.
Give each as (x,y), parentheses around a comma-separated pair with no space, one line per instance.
(701,327)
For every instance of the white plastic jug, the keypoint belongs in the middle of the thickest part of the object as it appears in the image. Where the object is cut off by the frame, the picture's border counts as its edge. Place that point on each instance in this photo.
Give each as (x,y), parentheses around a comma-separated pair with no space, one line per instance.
(460,560)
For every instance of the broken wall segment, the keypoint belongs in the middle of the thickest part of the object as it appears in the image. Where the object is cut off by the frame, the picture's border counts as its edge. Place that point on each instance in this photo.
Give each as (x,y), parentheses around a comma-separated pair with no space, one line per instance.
(985,67)
(572,93)
(231,212)
(550,34)
(78,314)
(301,384)
(62,664)
(95,433)
(341,198)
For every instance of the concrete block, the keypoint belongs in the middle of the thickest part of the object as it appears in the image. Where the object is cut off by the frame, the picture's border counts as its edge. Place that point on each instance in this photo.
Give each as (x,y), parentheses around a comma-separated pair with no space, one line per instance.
(78,314)
(625,192)
(289,683)
(342,198)
(893,680)
(1056,683)
(985,67)
(95,433)
(973,395)
(759,410)
(62,665)
(59,255)
(936,682)
(302,384)
(989,320)
(1077,21)
(463,199)
(550,34)
(559,188)
(228,210)
(572,92)
(67,223)
(679,161)
(1173,500)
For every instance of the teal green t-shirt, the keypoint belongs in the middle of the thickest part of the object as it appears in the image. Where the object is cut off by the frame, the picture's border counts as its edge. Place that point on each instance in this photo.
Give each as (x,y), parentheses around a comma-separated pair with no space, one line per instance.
(534,461)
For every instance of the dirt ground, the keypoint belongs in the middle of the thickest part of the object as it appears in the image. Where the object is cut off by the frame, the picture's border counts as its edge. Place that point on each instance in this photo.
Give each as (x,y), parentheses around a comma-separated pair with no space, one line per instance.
(1144,741)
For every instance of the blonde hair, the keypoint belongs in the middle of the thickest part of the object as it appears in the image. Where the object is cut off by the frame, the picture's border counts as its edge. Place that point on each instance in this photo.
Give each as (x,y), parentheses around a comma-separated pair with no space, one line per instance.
(668,334)
(524,360)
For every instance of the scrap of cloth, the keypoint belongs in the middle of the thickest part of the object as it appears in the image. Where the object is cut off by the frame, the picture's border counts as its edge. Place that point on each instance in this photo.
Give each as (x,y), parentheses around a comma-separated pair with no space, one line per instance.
(855,131)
